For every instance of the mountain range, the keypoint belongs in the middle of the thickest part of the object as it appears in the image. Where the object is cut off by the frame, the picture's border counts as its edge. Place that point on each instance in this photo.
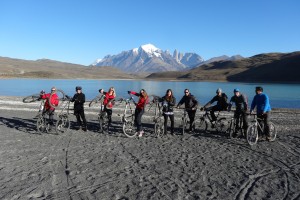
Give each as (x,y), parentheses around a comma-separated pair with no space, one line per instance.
(148,58)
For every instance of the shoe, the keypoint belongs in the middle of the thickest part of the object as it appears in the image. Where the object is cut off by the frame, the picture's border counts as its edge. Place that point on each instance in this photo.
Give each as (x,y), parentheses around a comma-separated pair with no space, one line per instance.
(79,128)
(84,129)
(141,133)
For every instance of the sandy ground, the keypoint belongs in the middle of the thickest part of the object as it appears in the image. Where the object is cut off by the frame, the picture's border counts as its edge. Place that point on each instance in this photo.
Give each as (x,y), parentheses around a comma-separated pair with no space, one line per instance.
(90,165)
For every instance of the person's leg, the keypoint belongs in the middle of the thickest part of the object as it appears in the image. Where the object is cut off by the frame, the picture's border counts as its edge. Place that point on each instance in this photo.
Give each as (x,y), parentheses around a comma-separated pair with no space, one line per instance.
(78,119)
(267,123)
(172,123)
(245,121)
(51,117)
(139,120)
(191,114)
(237,119)
(165,122)
(82,115)
(212,112)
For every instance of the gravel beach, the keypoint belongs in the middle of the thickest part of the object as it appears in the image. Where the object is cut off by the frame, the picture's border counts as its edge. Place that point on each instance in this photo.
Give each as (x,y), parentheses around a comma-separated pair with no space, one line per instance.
(92,165)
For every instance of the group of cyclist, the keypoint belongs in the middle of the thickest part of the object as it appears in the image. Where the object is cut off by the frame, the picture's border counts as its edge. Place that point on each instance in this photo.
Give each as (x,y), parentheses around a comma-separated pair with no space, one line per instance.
(260,102)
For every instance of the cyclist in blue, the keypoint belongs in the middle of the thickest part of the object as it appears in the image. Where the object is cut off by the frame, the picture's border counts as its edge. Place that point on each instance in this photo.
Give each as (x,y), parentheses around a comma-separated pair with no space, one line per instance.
(263,108)
(241,106)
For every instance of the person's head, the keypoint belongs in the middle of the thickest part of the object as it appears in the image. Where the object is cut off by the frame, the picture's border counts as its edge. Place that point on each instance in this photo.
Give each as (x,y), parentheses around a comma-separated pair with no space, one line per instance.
(78,89)
(258,90)
(236,92)
(143,93)
(186,92)
(112,91)
(169,93)
(53,89)
(219,91)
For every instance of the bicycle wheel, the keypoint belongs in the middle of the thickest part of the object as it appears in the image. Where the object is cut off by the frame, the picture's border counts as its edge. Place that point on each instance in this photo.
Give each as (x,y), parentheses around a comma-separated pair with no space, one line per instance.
(41,124)
(222,125)
(60,97)
(103,123)
(63,124)
(159,128)
(252,134)
(96,100)
(31,98)
(231,129)
(129,129)
(273,132)
(183,125)
(203,125)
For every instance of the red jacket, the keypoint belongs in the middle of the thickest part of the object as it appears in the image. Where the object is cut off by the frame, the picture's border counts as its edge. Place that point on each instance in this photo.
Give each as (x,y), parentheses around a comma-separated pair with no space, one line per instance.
(54,100)
(142,100)
(107,99)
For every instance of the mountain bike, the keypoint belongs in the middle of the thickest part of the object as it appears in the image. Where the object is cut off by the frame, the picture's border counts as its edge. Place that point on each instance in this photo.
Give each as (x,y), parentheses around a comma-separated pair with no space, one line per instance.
(63,122)
(220,125)
(128,117)
(235,129)
(257,129)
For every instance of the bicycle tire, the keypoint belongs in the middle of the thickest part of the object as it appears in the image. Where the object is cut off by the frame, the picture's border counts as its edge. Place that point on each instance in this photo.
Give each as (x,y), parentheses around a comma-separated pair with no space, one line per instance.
(96,100)
(272,132)
(129,129)
(231,128)
(31,98)
(183,125)
(103,123)
(63,124)
(61,97)
(203,125)
(41,124)
(159,128)
(252,134)
(222,125)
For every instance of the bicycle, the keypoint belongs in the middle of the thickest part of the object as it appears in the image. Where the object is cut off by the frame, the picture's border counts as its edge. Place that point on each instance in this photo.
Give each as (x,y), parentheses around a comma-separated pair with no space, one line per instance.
(42,124)
(159,128)
(63,122)
(220,124)
(185,120)
(234,128)
(128,118)
(61,96)
(257,128)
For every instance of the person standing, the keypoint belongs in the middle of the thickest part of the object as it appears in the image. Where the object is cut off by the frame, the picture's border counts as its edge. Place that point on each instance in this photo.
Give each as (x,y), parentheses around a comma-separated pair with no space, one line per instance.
(139,109)
(48,109)
(241,106)
(108,101)
(191,104)
(263,108)
(79,100)
(169,102)
(221,99)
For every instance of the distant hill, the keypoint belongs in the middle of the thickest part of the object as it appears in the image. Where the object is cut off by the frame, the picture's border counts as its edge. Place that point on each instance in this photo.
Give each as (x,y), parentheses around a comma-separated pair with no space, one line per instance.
(44,68)
(269,67)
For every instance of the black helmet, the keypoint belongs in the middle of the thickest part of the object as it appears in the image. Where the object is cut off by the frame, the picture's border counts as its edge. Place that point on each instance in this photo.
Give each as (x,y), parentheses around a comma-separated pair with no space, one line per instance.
(258,88)
(78,88)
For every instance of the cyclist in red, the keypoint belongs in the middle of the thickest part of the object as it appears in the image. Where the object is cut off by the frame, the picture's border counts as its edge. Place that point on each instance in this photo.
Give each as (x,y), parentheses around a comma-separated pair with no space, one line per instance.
(139,109)
(109,101)
(47,108)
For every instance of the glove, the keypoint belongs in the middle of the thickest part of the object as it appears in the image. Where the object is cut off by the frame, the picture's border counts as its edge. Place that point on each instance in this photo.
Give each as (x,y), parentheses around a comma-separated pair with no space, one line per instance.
(129,92)
(201,108)
(68,97)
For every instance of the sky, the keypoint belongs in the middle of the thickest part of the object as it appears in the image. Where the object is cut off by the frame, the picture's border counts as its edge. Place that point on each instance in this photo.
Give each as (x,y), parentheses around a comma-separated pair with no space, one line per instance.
(81,31)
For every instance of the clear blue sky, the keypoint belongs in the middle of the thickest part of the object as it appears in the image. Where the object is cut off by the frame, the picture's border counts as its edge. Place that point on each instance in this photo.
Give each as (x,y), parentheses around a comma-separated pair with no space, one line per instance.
(81,31)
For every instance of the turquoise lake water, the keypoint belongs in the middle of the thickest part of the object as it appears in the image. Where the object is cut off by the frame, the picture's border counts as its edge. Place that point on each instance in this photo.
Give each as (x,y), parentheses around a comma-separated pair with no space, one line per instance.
(281,95)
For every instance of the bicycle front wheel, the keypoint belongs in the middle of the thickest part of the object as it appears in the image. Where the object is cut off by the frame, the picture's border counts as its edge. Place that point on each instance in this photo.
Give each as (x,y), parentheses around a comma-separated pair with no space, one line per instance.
(272,132)
(41,124)
(231,129)
(60,98)
(159,128)
(31,98)
(252,134)
(203,125)
(222,125)
(129,129)
(184,124)
(62,125)
(103,123)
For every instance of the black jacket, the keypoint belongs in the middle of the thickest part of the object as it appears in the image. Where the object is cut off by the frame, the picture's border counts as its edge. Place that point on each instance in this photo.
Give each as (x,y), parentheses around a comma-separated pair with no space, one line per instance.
(168,104)
(221,101)
(79,100)
(241,102)
(189,101)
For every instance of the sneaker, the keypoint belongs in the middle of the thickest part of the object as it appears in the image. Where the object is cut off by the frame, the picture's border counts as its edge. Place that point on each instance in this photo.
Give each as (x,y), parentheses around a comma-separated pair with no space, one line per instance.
(141,133)
(84,129)
(79,128)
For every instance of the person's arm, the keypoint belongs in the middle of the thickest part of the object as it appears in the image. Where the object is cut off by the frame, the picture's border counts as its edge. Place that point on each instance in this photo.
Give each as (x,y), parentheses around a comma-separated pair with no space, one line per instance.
(173,102)
(253,104)
(266,103)
(180,102)
(195,103)
(210,102)
(134,93)
(245,102)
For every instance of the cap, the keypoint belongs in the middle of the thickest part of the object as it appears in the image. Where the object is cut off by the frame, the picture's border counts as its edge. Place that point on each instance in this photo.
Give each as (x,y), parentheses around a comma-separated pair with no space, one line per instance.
(53,88)
(236,90)
(219,90)
(78,88)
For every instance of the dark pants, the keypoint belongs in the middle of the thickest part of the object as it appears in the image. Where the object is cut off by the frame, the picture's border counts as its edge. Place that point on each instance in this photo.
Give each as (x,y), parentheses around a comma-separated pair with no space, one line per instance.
(138,118)
(191,114)
(109,114)
(212,111)
(266,120)
(166,122)
(51,114)
(80,115)
(237,115)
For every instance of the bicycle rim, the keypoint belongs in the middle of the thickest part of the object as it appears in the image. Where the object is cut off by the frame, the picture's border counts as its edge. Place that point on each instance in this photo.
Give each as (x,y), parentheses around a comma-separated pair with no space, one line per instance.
(231,129)
(222,125)
(252,135)
(103,124)
(273,132)
(62,125)
(61,97)
(129,129)
(31,98)
(202,125)
(40,125)
(159,129)
(183,125)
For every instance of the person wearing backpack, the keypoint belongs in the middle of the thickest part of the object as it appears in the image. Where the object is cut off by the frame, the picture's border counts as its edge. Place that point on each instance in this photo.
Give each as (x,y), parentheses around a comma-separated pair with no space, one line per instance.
(241,106)
(140,109)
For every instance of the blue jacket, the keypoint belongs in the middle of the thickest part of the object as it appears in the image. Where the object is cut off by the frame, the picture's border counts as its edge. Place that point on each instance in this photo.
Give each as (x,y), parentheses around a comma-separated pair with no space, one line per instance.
(261,102)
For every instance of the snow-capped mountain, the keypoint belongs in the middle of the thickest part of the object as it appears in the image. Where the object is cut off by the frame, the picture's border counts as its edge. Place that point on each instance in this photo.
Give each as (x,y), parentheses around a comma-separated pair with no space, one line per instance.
(148,58)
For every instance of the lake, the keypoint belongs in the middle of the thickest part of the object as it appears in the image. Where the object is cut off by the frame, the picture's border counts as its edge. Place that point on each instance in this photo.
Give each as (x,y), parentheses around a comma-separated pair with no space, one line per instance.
(281,95)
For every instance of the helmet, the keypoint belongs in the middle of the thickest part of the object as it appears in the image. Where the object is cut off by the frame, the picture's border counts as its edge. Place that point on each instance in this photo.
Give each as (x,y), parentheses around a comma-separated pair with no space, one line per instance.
(78,88)
(219,90)
(236,90)
(258,88)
